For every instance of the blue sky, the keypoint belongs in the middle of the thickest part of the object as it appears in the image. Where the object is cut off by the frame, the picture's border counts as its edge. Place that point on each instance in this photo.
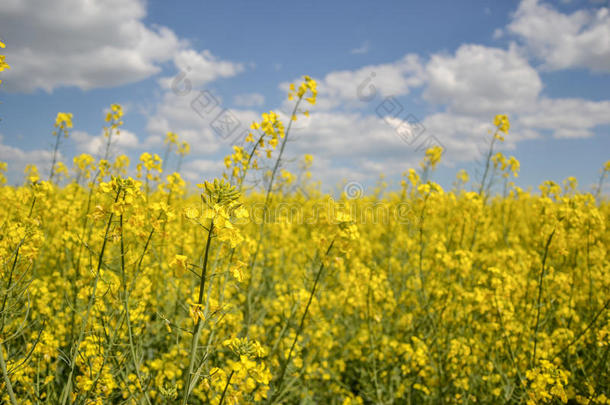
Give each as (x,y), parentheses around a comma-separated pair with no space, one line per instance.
(450,65)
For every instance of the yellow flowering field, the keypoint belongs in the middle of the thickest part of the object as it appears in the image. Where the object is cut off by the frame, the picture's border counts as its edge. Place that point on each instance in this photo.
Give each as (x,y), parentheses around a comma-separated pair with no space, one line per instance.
(141,290)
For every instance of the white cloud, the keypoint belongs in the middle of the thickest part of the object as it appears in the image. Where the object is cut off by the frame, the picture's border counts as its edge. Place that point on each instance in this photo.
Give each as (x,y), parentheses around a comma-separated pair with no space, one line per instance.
(249,100)
(478,82)
(199,170)
(193,112)
(196,118)
(563,41)
(352,146)
(481,80)
(81,43)
(465,90)
(17,159)
(354,88)
(73,43)
(96,144)
(568,118)
(196,69)
(346,146)
(466,137)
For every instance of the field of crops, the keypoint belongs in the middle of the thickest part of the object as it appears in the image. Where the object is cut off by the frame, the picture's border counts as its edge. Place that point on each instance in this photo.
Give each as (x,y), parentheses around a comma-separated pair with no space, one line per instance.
(258,288)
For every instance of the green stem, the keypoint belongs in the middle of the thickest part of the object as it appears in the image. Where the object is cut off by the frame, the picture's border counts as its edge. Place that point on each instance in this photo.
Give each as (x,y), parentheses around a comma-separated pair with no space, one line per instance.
(197,328)
(126,309)
(8,286)
(7,381)
(279,158)
(245,170)
(299,329)
(224,391)
(538,301)
(600,185)
(68,387)
(165,156)
(589,326)
(54,156)
(487,161)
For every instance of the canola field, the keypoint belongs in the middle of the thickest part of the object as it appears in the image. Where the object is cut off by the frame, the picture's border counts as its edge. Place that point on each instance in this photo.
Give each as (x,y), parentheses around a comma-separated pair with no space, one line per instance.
(258,288)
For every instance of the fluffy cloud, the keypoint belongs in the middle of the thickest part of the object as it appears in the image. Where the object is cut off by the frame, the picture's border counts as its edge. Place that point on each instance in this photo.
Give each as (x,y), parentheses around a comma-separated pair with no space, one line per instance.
(568,118)
(198,170)
(196,69)
(354,146)
(350,88)
(351,146)
(18,158)
(562,41)
(480,80)
(464,90)
(81,43)
(200,118)
(95,144)
(466,138)
(197,115)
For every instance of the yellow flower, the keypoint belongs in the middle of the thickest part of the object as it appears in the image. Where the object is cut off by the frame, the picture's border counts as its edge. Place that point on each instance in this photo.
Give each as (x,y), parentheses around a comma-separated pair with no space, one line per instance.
(184,148)
(308,85)
(241,212)
(171,138)
(237,271)
(462,176)
(502,123)
(191,213)
(3,64)
(63,120)
(432,157)
(180,264)
(196,312)
(32,173)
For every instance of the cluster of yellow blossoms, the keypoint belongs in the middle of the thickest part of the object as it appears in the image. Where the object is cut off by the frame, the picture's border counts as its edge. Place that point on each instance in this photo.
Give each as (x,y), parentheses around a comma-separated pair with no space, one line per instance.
(115,291)
(3,64)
